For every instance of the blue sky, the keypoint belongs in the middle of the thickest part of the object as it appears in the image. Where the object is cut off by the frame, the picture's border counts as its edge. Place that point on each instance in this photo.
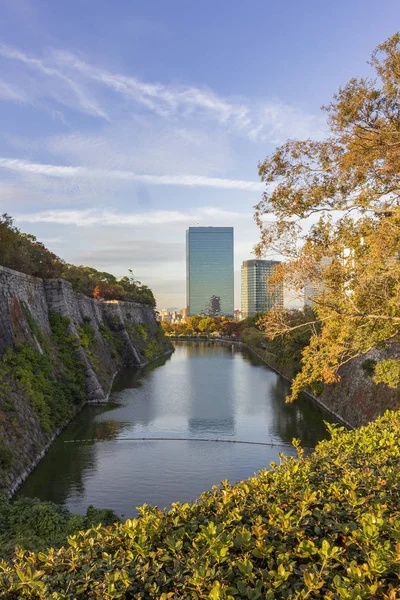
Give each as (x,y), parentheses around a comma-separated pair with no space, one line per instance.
(122,123)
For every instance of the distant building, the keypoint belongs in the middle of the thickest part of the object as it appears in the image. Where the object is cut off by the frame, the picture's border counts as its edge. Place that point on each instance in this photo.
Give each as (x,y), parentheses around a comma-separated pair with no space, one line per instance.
(237,315)
(257,294)
(165,316)
(209,271)
(313,289)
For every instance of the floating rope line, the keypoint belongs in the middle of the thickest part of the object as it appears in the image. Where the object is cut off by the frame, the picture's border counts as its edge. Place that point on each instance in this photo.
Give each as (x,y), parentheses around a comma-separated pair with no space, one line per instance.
(167,439)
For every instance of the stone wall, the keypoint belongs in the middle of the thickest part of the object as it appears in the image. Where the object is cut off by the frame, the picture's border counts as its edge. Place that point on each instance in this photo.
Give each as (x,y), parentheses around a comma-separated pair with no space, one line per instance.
(125,333)
(356,398)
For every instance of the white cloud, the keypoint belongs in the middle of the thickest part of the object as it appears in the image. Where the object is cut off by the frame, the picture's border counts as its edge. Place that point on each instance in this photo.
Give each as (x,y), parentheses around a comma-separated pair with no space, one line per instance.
(81,99)
(67,78)
(68,172)
(146,145)
(9,92)
(107,217)
(162,99)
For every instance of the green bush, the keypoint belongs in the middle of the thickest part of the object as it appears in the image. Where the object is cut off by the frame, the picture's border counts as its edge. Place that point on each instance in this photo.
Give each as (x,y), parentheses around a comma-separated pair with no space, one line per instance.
(323,526)
(368,366)
(37,525)
(317,388)
(388,372)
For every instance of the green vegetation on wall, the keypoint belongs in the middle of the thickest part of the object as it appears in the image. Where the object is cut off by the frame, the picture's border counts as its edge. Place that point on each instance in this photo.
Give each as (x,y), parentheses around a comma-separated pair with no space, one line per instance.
(71,382)
(6,456)
(153,350)
(87,336)
(32,373)
(149,343)
(52,381)
(114,340)
(323,526)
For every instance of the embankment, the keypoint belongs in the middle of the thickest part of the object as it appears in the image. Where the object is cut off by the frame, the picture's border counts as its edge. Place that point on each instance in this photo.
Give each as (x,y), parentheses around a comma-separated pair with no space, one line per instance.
(59,350)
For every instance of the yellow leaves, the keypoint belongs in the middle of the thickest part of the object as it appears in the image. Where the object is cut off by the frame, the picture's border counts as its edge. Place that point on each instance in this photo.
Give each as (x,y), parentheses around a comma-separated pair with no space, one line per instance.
(352,174)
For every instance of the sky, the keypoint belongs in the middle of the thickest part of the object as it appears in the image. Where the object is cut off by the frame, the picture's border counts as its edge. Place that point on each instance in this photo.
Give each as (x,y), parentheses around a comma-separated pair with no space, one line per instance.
(123,123)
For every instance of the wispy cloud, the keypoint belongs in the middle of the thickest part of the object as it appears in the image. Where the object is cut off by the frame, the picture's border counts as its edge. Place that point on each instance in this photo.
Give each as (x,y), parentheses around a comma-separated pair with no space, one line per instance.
(266,121)
(9,92)
(160,98)
(69,172)
(82,99)
(144,145)
(108,217)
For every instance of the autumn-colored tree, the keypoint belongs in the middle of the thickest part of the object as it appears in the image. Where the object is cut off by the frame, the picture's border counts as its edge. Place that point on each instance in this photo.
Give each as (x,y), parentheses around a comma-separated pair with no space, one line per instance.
(229,328)
(208,325)
(97,293)
(193,322)
(348,187)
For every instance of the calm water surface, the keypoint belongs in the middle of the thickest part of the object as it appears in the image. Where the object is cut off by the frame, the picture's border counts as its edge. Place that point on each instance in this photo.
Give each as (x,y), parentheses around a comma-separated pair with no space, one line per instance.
(201,391)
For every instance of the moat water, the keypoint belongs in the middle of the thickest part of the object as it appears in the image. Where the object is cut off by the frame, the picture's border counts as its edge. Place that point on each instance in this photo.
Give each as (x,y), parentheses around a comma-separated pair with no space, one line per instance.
(202,390)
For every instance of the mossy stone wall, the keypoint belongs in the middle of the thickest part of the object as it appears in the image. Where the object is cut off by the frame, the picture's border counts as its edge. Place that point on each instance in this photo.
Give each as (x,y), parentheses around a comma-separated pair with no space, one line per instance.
(58,350)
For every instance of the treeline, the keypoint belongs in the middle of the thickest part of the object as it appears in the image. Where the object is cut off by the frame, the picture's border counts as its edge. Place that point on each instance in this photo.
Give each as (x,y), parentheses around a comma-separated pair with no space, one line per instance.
(23,252)
(199,325)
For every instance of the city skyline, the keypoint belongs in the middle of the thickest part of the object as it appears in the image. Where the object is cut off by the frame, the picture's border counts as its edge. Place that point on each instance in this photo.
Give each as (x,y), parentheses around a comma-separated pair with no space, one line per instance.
(123,125)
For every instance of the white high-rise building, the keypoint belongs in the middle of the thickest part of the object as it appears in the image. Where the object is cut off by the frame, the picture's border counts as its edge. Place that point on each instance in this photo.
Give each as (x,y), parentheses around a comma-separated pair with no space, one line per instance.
(258,295)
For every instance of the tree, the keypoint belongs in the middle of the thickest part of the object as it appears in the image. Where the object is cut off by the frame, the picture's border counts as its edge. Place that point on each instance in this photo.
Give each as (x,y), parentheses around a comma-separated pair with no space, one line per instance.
(207,325)
(97,293)
(349,184)
(23,252)
(193,322)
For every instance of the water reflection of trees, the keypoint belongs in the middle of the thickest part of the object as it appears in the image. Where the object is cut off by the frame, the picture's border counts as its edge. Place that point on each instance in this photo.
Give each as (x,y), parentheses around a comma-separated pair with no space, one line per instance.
(133,377)
(62,470)
(202,348)
(301,419)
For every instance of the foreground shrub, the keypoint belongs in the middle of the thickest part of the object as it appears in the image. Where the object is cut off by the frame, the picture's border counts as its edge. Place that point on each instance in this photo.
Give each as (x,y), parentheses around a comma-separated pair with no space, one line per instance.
(325,526)
(37,525)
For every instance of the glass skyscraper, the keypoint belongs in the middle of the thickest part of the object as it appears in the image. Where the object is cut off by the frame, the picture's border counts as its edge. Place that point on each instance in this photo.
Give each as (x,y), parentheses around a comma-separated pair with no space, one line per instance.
(257,294)
(209,271)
